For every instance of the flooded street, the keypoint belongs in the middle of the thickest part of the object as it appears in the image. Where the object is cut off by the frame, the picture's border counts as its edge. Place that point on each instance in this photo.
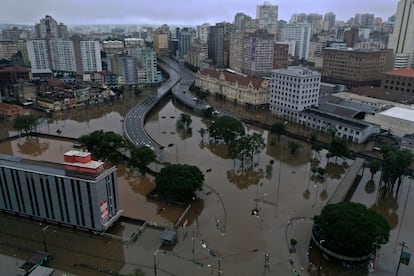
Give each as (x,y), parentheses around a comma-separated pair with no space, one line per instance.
(221,234)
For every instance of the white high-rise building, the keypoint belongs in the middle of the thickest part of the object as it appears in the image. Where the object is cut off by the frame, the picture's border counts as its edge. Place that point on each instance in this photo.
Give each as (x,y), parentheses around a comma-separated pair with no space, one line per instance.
(38,54)
(292,90)
(202,32)
(301,34)
(62,54)
(91,56)
(402,38)
(267,15)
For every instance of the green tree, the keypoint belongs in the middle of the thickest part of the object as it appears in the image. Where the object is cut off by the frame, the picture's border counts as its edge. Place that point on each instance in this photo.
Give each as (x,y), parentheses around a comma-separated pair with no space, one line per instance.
(278,129)
(257,144)
(179,182)
(374,166)
(395,164)
(26,123)
(202,132)
(241,149)
(186,120)
(104,145)
(226,128)
(293,147)
(338,148)
(351,228)
(141,156)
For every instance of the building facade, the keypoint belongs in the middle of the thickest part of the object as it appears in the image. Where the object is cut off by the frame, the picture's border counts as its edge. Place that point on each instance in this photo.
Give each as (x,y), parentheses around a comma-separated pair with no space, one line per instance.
(161,43)
(258,49)
(247,91)
(267,15)
(301,34)
(352,130)
(353,67)
(402,38)
(292,90)
(280,55)
(216,44)
(79,193)
(398,81)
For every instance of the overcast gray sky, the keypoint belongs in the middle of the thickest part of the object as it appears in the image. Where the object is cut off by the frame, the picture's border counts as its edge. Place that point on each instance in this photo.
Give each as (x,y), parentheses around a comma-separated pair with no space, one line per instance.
(176,12)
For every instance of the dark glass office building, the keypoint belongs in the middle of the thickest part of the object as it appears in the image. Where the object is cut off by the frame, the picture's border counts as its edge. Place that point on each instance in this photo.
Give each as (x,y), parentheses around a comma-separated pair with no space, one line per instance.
(80,193)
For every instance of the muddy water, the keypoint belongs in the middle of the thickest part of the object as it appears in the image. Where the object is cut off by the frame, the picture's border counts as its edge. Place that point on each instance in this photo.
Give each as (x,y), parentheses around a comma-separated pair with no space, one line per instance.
(278,184)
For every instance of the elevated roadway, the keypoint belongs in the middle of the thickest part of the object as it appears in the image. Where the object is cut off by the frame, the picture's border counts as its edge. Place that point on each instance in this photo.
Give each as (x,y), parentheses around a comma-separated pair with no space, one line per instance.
(180,79)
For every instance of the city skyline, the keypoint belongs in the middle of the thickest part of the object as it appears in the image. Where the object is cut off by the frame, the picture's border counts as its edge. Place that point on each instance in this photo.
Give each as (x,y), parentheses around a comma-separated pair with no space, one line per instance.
(79,12)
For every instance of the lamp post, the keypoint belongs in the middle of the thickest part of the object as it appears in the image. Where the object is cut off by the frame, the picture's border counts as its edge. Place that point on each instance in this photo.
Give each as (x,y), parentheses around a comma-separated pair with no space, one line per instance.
(321,242)
(155,262)
(401,253)
(44,238)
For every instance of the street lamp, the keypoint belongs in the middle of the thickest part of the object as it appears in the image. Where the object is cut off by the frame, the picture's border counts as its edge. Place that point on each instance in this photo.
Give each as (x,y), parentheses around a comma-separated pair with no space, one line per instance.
(155,261)
(44,238)
(321,242)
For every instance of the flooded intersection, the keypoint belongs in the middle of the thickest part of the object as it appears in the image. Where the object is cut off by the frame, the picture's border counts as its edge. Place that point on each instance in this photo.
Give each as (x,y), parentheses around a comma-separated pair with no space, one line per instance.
(221,233)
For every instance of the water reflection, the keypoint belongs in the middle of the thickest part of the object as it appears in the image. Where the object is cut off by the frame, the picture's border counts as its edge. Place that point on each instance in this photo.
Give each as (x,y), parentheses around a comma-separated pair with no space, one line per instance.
(244,178)
(334,170)
(387,206)
(370,186)
(33,146)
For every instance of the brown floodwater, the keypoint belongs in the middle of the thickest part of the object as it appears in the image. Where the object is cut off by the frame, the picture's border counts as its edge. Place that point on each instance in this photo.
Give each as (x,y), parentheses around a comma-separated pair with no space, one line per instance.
(221,232)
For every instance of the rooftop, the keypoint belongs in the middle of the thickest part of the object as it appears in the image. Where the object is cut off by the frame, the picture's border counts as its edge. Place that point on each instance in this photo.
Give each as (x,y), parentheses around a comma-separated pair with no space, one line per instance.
(230,77)
(403,72)
(400,113)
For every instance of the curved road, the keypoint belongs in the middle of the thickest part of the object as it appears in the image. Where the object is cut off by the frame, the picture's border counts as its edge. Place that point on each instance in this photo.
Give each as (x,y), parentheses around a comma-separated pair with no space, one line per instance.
(179,78)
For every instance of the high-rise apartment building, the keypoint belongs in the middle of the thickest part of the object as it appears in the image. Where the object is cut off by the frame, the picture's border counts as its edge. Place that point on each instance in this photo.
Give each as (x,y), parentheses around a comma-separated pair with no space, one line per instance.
(402,38)
(280,55)
(329,21)
(351,36)
(38,53)
(80,192)
(258,49)
(236,51)
(292,90)
(301,34)
(62,54)
(161,43)
(202,32)
(216,44)
(364,20)
(240,21)
(267,15)
(49,28)
(185,39)
(91,56)
(50,48)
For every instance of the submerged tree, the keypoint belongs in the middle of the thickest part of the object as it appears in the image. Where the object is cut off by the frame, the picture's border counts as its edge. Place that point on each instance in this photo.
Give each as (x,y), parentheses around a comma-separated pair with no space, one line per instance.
(395,164)
(179,182)
(226,128)
(351,228)
(278,129)
(26,123)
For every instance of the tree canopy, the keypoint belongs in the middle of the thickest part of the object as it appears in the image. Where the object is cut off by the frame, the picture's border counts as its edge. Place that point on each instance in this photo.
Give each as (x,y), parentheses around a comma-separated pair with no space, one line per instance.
(338,148)
(395,163)
(141,156)
(278,129)
(26,123)
(351,228)
(179,182)
(104,145)
(226,128)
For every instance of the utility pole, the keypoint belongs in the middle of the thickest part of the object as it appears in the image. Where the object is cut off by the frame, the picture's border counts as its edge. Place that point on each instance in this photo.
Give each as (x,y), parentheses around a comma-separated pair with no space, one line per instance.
(399,260)
(44,238)
(155,262)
